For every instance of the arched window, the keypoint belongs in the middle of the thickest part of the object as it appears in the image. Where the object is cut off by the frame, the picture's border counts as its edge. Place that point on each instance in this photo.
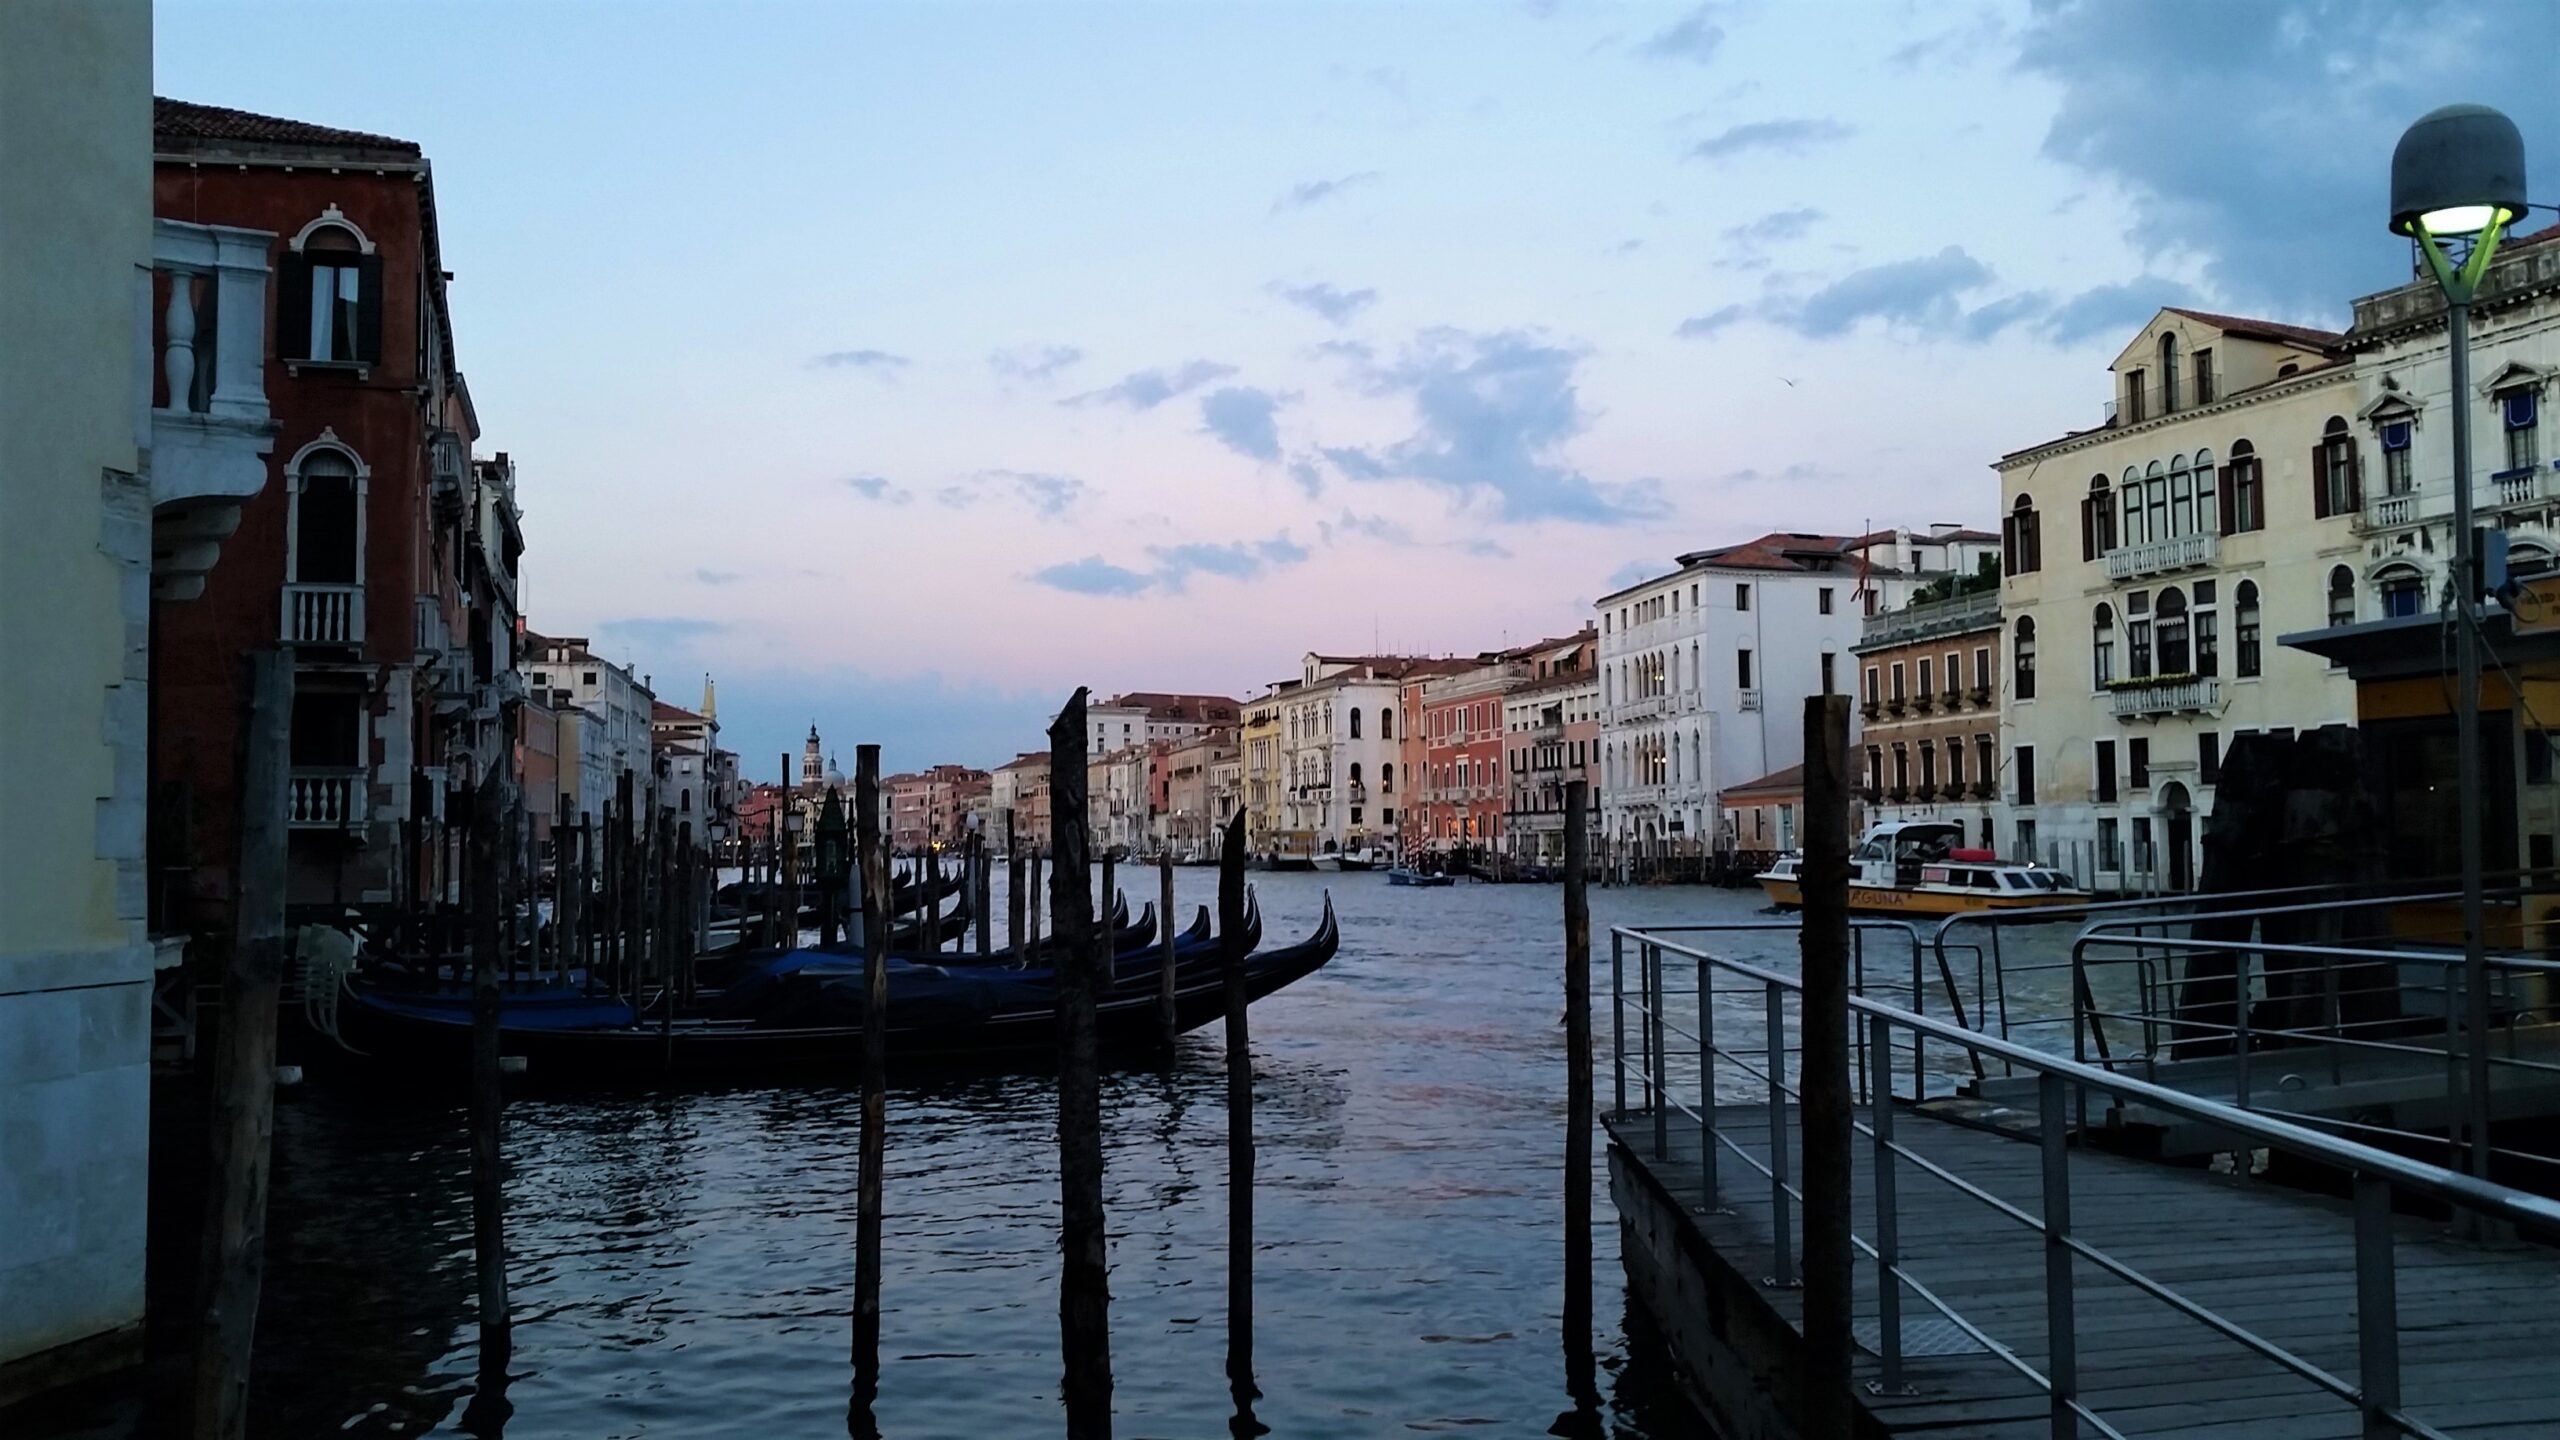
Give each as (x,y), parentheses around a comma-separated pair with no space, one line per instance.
(2130,532)
(1355,722)
(2102,645)
(2097,519)
(2333,471)
(328,520)
(2021,544)
(2023,652)
(2342,596)
(329,295)
(2155,502)
(2208,517)
(2182,496)
(2529,559)
(1355,774)
(1386,723)
(1387,779)
(2169,632)
(2168,373)
(2248,490)
(2403,590)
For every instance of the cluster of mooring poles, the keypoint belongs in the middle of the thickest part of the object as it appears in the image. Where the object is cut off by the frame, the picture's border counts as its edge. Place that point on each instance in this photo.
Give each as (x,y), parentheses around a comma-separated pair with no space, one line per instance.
(1824,1404)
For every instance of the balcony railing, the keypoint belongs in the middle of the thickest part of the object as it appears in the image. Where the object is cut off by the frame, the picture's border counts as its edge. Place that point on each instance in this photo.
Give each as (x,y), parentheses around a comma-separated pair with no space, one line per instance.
(1936,617)
(2517,487)
(326,799)
(2181,552)
(2167,697)
(1750,700)
(2388,511)
(1644,708)
(323,614)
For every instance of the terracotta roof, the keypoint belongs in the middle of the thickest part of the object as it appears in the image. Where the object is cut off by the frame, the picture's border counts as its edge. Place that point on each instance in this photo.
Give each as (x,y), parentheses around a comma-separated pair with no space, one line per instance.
(181,121)
(1026,760)
(1777,782)
(2264,329)
(673,714)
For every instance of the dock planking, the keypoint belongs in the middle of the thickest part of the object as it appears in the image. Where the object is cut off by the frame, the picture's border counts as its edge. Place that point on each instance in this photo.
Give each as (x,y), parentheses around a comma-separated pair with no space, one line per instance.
(2476,1320)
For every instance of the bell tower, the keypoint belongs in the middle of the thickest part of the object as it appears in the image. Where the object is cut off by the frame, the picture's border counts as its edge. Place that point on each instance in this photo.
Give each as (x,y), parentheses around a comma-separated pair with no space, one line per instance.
(813,767)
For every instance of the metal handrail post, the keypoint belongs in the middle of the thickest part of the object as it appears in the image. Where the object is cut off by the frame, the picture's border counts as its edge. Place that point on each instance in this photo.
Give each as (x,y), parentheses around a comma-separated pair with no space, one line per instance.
(1660,1061)
(1618,1016)
(2240,1033)
(2377,1309)
(1707,1085)
(1781,1225)
(1919,1006)
(2061,1320)
(2079,1024)
(1888,1217)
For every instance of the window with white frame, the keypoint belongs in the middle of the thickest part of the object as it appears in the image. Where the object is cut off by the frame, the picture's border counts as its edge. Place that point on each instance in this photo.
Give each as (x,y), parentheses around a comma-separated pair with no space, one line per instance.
(2398,477)
(2520,409)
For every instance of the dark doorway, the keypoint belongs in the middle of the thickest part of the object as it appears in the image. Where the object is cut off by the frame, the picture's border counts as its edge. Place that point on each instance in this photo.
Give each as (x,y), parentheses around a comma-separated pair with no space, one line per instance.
(2181,827)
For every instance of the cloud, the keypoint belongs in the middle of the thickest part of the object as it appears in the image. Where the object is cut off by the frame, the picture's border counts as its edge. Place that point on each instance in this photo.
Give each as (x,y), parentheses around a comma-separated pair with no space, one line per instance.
(955,497)
(1488,549)
(1631,573)
(1309,478)
(1918,293)
(1776,228)
(660,632)
(1985,321)
(1800,473)
(2257,137)
(1784,137)
(1694,37)
(1699,327)
(2114,311)
(1051,495)
(1369,527)
(1962,45)
(1244,420)
(1358,352)
(707,576)
(877,362)
(1147,389)
(875,487)
(1033,364)
(1312,192)
(1335,304)
(1174,565)
(1491,411)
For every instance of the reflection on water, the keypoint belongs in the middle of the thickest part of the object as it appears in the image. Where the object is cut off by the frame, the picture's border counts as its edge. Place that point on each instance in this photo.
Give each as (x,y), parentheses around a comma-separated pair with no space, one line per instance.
(683,1262)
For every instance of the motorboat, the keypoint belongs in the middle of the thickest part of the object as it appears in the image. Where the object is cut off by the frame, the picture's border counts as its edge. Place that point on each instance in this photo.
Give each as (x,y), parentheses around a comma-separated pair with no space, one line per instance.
(1922,867)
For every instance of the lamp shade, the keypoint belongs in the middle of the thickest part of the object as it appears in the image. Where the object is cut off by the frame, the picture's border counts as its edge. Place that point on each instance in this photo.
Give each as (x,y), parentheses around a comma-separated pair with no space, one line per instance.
(2457,170)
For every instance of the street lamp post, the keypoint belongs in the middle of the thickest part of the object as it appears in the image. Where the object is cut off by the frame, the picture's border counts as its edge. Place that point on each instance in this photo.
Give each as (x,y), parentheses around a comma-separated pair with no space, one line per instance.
(2458,174)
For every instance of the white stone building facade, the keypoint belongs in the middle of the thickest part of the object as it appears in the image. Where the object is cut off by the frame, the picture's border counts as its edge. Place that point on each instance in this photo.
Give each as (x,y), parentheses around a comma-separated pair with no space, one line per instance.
(1337,736)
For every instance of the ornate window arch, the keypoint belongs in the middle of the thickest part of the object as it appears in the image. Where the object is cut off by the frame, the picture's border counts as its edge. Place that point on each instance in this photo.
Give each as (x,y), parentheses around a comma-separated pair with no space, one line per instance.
(2022,652)
(329,295)
(2102,645)
(2342,596)
(2401,586)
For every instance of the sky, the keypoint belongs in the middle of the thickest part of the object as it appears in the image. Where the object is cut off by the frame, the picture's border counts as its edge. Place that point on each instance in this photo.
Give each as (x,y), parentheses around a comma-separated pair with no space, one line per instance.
(905,366)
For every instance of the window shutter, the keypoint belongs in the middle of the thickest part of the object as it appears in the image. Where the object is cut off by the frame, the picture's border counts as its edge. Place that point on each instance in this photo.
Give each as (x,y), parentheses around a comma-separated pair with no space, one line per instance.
(293,306)
(2009,544)
(2088,531)
(2320,482)
(2355,476)
(369,309)
(2229,476)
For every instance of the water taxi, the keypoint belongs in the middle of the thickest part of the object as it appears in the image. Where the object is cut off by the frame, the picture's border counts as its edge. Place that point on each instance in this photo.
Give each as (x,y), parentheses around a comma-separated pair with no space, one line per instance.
(1920,867)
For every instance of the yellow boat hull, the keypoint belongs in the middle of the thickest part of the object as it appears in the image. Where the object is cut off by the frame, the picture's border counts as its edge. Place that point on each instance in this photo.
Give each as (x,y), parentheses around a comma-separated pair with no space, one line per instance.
(1879,900)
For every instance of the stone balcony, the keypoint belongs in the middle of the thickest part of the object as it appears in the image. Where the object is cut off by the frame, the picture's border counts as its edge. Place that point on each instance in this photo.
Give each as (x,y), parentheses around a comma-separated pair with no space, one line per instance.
(2174,696)
(2159,557)
(316,614)
(2431,502)
(326,798)
(200,392)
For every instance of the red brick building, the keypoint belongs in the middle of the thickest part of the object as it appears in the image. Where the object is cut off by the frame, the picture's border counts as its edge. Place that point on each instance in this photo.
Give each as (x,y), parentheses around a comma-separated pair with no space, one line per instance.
(379,552)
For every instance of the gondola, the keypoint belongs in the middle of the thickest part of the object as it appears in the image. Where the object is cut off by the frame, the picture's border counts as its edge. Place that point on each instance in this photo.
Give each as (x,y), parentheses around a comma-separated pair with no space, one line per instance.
(938,1017)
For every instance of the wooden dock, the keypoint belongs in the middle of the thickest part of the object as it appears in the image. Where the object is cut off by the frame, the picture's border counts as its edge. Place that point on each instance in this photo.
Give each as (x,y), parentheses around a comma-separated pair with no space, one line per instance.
(2479,1322)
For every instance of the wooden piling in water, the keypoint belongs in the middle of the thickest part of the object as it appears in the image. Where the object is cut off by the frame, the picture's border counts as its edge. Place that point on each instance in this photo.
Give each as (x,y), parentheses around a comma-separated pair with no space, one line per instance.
(492,930)
(1168,1019)
(1580,1373)
(1824,1028)
(1084,1293)
(232,1256)
(983,898)
(874,866)
(1035,889)
(1107,943)
(1231,951)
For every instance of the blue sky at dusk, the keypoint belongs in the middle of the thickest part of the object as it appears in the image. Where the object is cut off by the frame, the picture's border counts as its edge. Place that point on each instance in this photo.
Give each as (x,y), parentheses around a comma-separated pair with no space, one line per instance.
(908,365)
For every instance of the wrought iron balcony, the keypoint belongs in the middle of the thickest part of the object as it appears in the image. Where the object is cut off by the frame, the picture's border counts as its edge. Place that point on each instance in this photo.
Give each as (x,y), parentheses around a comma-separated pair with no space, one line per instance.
(2180,552)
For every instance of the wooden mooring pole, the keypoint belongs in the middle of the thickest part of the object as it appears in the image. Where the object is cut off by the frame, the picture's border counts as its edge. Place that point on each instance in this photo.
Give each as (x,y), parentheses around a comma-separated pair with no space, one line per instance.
(982,898)
(1084,1288)
(492,928)
(1013,885)
(1580,1373)
(1168,1017)
(1231,953)
(233,1253)
(1829,1407)
(875,1103)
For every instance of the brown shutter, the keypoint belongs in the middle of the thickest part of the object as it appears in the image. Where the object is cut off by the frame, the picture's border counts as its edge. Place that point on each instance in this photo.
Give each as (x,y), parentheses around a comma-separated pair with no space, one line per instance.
(369,309)
(293,306)
(2009,544)
(2088,530)
(2320,482)
(2229,475)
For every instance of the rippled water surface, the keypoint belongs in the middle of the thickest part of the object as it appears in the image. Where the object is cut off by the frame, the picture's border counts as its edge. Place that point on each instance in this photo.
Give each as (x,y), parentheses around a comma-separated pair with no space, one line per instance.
(683,1261)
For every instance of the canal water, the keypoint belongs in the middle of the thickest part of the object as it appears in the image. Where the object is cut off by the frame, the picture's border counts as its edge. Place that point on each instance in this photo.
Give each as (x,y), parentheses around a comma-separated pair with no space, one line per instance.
(683,1261)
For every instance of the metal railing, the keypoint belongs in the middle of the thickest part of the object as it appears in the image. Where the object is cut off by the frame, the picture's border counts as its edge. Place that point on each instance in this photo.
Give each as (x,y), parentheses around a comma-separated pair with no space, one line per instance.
(2376,1176)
